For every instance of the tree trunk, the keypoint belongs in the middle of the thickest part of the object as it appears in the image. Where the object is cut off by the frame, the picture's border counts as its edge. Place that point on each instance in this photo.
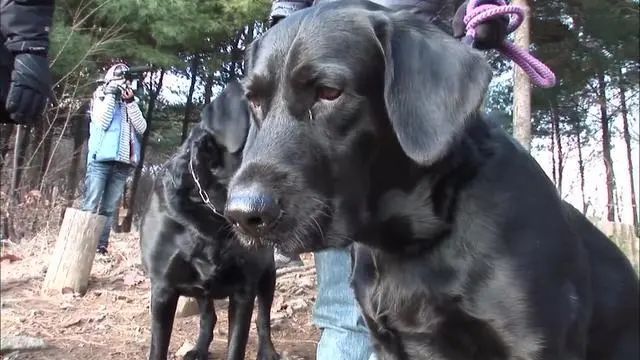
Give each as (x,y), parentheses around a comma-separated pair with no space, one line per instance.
(553,154)
(46,155)
(6,130)
(248,39)
(19,156)
(581,169)
(195,61)
(128,219)
(208,89)
(606,147)
(33,156)
(80,132)
(75,249)
(522,86)
(627,141)
(555,120)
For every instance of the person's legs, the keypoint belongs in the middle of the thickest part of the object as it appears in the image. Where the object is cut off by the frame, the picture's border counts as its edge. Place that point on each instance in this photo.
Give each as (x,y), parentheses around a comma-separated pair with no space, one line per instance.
(112,193)
(344,333)
(94,184)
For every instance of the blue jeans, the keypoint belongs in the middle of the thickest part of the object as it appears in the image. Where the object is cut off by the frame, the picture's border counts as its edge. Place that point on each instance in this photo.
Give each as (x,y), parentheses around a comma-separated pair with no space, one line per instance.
(104,185)
(336,312)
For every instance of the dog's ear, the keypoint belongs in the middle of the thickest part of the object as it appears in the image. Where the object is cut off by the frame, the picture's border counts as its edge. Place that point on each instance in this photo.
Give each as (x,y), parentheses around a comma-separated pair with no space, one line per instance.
(204,155)
(433,83)
(253,131)
(227,117)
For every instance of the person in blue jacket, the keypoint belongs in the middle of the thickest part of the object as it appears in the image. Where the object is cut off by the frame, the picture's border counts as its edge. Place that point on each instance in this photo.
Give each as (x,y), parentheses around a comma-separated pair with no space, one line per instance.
(115,133)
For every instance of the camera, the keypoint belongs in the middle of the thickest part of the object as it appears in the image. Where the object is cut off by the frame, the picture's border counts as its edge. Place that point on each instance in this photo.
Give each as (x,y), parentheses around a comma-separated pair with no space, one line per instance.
(125,79)
(133,73)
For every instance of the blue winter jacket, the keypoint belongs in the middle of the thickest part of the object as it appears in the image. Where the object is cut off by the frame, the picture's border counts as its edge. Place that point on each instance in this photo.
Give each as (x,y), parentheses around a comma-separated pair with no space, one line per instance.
(109,119)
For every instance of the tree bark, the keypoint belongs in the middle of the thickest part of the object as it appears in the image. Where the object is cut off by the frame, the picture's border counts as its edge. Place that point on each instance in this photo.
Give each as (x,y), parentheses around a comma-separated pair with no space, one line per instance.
(33,155)
(19,156)
(553,154)
(208,89)
(248,39)
(555,120)
(6,130)
(522,86)
(75,249)
(193,69)
(80,132)
(128,219)
(46,155)
(581,169)
(627,141)
(606,147)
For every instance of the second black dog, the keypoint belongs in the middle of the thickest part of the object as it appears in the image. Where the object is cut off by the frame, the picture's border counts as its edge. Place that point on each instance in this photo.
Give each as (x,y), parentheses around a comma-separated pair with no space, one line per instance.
(187,246)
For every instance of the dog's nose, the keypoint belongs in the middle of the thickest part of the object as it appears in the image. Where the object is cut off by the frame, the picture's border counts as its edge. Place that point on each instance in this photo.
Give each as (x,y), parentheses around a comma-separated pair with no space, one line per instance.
(253,211)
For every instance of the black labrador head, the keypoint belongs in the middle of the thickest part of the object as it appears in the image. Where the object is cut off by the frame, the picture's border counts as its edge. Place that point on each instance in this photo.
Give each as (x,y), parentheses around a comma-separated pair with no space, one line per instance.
(333,90)
(213,150)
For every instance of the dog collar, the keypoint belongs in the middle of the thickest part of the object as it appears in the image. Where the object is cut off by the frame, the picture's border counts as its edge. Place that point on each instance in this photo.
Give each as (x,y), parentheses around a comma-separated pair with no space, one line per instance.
(203,194)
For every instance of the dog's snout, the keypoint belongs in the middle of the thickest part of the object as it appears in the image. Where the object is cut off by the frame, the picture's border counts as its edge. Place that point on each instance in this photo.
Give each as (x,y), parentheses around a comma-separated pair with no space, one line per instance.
(253,210)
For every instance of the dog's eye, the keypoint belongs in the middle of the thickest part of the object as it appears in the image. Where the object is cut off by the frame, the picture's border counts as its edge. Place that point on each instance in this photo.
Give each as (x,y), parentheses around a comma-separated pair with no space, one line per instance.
(328,93)
(255,104)
(253,101)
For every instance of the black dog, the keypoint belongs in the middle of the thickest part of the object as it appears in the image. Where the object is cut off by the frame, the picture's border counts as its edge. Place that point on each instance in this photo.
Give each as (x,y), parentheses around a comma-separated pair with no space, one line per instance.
(368,129)
(187,246)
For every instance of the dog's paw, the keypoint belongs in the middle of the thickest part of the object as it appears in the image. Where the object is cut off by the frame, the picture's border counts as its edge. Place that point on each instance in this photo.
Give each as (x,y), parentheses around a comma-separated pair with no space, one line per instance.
(268,355)
(196,355)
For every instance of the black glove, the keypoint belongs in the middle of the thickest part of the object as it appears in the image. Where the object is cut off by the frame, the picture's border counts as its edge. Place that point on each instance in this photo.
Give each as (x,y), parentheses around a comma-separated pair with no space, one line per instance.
(30,88)
(489,35)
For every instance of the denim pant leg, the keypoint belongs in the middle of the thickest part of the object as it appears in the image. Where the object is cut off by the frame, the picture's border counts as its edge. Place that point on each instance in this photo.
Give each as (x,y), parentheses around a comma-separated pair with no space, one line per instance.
(94,183)
(336,312)
(113,190)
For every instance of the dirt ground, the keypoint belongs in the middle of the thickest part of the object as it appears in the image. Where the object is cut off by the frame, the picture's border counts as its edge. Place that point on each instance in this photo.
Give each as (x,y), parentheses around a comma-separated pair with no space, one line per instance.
(112,320)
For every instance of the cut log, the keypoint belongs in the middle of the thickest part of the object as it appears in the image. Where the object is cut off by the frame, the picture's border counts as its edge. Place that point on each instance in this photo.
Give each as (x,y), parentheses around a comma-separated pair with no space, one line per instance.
(75,249)
(187,306)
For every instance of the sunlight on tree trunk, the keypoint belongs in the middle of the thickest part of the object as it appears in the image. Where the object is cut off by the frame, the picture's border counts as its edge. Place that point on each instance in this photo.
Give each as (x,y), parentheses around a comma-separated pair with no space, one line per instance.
(522,86)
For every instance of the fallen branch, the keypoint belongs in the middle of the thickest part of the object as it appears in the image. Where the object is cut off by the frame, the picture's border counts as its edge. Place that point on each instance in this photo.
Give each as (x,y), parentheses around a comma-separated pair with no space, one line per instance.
(296,269)
(295,275)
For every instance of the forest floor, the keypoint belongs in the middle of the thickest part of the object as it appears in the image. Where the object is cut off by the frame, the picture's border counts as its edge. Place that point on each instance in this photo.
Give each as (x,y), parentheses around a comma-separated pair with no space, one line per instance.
(111,321)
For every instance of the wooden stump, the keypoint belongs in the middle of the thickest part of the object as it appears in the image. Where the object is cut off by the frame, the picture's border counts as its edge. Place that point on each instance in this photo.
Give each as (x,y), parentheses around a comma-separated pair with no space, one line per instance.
(187,306)
(75,249)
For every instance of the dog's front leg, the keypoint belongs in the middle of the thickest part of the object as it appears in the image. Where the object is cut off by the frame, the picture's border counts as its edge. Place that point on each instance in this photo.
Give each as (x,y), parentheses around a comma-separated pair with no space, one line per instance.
(266,288)
(240,310)
(163,309)
(207,323)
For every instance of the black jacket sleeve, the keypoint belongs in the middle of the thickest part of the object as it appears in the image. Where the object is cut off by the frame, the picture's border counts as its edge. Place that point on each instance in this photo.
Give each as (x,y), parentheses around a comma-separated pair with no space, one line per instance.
(25,25)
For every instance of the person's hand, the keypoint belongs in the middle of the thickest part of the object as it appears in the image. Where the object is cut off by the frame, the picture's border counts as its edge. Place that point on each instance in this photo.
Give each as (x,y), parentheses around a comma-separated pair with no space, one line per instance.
(112,88)
(489,35)
(29,89)
(127,95)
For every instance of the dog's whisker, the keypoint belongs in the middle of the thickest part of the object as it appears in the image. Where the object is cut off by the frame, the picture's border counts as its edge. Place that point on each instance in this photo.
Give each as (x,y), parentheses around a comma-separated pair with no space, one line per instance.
(319,229)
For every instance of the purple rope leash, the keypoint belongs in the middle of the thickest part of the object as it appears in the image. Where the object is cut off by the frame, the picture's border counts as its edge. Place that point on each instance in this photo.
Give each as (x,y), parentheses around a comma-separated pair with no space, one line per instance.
(538,72)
